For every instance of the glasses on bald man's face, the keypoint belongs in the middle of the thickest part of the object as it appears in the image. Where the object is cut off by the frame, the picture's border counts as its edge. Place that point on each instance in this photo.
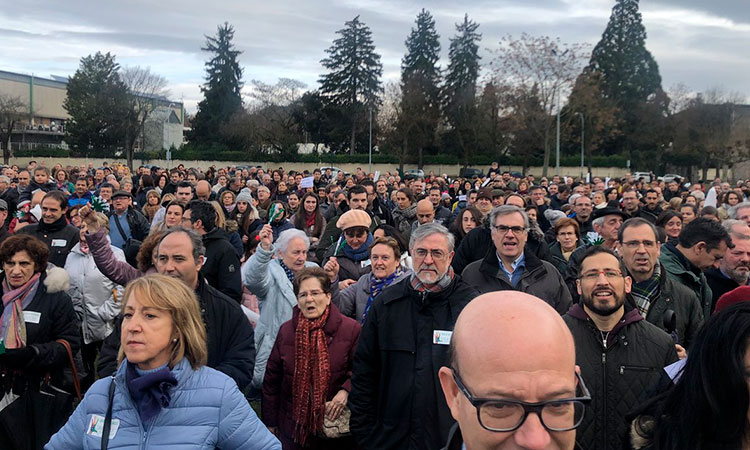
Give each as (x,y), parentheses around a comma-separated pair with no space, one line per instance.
(505,415)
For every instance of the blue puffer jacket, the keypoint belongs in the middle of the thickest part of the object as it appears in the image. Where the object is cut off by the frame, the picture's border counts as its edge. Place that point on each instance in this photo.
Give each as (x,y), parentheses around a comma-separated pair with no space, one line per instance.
(206,411)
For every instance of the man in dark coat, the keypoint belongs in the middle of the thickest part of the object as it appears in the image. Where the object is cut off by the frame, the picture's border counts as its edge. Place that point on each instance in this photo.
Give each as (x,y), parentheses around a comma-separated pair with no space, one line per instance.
(231,345)
(221,266)
(132,223)
(53,229)
(734,268)
(507,266)
(395,401)
(620,354)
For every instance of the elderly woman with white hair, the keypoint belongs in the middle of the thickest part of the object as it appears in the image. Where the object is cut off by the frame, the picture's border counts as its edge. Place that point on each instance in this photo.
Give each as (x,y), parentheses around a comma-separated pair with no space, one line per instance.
(269,274)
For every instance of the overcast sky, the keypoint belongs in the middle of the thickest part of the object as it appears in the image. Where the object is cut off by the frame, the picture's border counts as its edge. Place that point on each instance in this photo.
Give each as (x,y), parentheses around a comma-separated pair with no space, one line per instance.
(701,43)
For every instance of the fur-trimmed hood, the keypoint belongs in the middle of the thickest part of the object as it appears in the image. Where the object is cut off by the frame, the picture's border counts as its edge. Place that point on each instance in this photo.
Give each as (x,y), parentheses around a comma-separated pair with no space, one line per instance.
(56,279)
(641,432)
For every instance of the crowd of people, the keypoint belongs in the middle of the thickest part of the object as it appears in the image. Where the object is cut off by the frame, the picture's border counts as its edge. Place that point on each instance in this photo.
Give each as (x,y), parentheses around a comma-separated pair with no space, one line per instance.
(239,307)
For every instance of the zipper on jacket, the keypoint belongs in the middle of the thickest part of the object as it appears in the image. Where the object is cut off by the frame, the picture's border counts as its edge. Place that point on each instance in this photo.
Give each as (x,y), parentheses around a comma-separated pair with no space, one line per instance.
(634,369)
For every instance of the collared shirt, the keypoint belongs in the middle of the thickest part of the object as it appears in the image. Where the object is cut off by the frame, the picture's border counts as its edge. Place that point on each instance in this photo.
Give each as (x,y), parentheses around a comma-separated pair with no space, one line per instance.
(114,232)
(518,265)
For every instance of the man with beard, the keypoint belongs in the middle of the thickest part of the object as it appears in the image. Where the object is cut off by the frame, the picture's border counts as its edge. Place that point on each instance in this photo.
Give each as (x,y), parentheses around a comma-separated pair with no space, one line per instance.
(620,354)
(395,399)
(734,268)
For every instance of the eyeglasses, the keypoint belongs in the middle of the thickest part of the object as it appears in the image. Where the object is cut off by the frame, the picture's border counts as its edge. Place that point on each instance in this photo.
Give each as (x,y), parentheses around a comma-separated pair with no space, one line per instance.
(355,233)
(503,416)
(436,254)
(609,274)
(635,244)
(312,294)
(503,229)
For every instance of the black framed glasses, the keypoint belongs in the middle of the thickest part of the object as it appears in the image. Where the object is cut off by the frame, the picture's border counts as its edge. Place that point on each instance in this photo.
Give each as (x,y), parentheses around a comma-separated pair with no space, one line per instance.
(503,416)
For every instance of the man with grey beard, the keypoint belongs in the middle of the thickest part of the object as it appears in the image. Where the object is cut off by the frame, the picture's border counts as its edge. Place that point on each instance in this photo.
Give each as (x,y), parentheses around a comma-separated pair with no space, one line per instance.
(734,268)
(395,399)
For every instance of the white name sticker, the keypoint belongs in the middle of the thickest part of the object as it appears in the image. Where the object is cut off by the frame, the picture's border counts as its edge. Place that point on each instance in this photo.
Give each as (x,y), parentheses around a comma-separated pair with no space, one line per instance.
(96,426)
(32,316)
(441,337)
(59,242)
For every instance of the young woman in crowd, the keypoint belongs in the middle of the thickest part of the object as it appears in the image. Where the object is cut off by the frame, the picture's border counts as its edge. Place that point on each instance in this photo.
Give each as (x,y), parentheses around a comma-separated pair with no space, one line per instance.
(309,218)
(671,222)
(468,219)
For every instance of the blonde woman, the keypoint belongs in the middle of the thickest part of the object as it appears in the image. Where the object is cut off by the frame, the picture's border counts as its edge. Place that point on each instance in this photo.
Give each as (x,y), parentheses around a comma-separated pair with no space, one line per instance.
(163,395)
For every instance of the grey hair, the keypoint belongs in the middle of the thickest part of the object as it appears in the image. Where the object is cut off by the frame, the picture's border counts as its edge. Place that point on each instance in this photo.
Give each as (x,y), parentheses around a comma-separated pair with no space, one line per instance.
(572,199)
(504,210)
(4,179)
(428,229)
(195,239)
(731,223)
(599,221)
(264,188)
(736,208)
(285,238)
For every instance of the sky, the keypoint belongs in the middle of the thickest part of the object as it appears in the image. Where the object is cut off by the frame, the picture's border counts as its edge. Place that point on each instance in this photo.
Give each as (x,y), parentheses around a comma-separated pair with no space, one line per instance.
(701,44)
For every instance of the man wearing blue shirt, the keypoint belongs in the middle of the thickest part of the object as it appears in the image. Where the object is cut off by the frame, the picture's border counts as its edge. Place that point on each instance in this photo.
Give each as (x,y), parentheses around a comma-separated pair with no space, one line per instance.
(81,195)
(507,267)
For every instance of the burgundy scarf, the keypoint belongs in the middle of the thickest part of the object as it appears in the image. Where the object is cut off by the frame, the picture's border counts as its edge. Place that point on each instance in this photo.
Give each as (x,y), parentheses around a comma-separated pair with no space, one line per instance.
(312,370)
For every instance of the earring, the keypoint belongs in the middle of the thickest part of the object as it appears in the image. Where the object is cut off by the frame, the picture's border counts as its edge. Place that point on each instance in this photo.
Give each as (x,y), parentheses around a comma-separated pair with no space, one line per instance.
(174,340)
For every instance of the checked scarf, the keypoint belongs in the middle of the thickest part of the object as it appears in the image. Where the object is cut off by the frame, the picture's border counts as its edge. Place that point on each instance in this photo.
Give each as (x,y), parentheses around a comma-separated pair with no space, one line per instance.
(377,286)
(14,301)
(441,284)
(287,270)
(312,370)
(645,292)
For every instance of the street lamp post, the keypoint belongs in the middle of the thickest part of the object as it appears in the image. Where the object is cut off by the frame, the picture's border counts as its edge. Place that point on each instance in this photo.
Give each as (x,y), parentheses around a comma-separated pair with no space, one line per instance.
(583,139)
(557,146)
(369,170)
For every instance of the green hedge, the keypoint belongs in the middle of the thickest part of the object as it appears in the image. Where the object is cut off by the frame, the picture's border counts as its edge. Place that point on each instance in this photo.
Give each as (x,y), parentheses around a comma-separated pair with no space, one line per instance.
(190,154)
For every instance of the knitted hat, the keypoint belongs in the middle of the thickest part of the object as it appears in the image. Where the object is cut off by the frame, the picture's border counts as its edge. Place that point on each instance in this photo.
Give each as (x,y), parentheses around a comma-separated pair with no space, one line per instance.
(553,215)
(245,196)
(354,218)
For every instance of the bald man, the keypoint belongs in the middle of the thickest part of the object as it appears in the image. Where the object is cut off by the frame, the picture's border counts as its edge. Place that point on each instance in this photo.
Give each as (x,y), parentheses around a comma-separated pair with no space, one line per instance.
(203,191)
(512,347)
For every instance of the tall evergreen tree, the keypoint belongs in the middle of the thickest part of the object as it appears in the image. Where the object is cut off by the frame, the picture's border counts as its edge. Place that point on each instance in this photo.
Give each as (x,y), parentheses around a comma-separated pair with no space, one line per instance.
(459,91)
(420,77)
(353,80)
(630,78)
(97,101)
(221,93)
(629,72)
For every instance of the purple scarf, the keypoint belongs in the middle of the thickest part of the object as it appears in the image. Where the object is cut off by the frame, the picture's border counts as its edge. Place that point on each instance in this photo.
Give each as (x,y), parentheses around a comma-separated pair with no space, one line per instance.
(150,391)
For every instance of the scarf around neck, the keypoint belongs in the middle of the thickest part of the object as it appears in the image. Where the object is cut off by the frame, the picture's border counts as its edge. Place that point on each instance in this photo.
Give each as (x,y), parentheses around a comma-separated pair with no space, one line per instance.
(287,270)
(55,226)
(360,254)
(312,370)
(14,302)
(150,389)
(376,287)
(441,284)
(645,292)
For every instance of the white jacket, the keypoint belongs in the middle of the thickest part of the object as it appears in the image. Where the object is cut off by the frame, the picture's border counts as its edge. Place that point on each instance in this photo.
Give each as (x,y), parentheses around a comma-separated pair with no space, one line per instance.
(96,299)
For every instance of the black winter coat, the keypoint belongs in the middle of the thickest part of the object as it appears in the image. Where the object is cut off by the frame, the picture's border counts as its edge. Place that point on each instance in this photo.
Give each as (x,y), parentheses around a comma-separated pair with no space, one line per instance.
(719,285)
(539,278)
(221,267)
(231,342)
(56,320)
(619,374)
(396,400)
(685,304)
(59,236)
(475,244)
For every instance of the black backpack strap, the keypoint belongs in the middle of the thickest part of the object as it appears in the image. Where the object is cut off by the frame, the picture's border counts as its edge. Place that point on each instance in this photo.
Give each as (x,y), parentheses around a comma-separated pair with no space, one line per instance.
(119,226)
(108,417)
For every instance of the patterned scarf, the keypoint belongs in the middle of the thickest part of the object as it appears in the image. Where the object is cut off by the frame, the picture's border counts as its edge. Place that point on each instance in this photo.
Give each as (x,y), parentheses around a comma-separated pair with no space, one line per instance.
(377,286)
(287,270)
(312,370)
(645,292)
(14,300)
(441,284)
(360,254)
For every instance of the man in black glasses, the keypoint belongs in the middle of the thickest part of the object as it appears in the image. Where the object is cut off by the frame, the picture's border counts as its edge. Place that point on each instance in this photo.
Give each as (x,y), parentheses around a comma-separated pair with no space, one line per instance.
(507,384)
(508,266)
(620,354)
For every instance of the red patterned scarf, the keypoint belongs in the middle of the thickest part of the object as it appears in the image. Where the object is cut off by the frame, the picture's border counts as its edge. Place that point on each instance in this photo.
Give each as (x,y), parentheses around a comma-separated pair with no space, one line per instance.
(312,370)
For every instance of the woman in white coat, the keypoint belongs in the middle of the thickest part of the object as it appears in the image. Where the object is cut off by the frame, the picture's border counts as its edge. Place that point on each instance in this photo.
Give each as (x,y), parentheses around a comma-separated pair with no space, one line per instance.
(96,299)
